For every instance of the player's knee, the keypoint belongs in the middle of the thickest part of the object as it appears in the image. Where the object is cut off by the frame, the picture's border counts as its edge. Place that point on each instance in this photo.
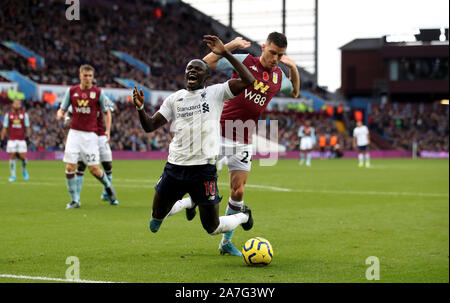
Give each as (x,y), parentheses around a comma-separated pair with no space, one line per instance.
(70,167)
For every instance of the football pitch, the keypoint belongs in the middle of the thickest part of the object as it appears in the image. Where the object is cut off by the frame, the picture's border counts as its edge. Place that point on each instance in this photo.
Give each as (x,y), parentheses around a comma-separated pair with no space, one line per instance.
(323,222)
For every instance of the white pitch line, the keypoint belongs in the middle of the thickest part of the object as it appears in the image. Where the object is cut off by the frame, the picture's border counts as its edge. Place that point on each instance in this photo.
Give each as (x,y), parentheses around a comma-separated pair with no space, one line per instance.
(139,184)
(52,279)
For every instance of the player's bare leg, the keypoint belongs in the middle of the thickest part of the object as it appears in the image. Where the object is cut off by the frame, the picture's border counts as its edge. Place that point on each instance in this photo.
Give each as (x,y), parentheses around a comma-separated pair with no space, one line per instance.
(101,176)
(12,167)
(238,179)
(23,159)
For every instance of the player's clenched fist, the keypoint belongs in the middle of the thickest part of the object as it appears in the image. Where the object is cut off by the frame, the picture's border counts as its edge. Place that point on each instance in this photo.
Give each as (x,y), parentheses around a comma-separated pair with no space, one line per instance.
(138,98)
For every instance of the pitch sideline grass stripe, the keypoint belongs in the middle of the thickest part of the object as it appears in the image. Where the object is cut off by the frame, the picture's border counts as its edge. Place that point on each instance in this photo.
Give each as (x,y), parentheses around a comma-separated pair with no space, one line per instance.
(52,279)
(264,187)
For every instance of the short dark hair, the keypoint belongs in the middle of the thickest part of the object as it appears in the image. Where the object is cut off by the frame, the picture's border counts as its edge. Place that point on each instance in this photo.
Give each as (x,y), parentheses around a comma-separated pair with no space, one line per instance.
(278,39)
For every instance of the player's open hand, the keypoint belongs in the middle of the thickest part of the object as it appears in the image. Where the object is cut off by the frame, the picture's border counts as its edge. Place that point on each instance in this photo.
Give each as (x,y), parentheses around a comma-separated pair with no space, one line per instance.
(287,61)
(239,42)
(138,97)
(215,44)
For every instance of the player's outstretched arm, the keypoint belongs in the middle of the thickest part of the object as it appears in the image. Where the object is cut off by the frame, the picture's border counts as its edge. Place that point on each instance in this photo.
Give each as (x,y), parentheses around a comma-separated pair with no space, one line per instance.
(148,123)
(238,43)
(236,85)
(294,76)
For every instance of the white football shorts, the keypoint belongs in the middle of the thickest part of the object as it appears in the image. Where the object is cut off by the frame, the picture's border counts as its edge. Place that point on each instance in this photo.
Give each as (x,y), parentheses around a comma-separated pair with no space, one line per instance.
(104,149)
(306,143)
(16,146)
(82,146)
(239,155)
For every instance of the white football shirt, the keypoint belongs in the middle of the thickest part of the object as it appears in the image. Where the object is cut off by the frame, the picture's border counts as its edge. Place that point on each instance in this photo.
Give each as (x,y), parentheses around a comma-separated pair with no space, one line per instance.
(361,133)
(196,116)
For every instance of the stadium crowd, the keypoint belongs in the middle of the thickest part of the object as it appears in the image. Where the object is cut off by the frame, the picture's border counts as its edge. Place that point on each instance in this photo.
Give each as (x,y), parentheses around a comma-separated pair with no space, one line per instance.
(145,30)
(150,32)
(401,125)
(427,126)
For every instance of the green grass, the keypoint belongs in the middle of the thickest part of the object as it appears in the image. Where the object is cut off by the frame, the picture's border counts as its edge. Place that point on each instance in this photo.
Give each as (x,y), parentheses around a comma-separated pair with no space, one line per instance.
(323,226)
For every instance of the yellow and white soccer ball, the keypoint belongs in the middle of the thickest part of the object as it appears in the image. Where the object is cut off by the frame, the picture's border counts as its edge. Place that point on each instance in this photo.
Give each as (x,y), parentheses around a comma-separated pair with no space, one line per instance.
(257,252)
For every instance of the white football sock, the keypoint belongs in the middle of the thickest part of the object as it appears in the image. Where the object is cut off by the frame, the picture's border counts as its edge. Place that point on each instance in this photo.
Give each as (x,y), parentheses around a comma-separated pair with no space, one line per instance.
(367,158)
(180,205)
(361,158)
(230,222)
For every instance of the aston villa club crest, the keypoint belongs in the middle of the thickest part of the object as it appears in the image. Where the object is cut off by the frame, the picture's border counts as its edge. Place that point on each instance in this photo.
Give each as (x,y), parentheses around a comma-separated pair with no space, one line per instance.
(275,78)
(265,76)
(20,116)
(92,95)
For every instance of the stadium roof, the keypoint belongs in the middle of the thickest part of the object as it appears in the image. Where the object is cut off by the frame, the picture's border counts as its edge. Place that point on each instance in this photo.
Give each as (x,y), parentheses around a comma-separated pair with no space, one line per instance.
(363,44)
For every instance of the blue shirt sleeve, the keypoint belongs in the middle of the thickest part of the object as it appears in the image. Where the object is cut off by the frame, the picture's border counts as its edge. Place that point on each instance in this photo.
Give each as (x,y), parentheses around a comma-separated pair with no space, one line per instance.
(286,85)
(66,100)
(300,132)
(27,120)
(6,121)
(103,102)
(225,65)
(313,134)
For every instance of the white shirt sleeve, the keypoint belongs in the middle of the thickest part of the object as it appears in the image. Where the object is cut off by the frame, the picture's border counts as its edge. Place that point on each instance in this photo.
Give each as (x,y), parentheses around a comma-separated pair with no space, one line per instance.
(166,108)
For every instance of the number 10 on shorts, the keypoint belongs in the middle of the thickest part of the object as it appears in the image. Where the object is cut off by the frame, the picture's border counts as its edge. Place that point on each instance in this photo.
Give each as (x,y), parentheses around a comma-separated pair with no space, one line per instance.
(210,187)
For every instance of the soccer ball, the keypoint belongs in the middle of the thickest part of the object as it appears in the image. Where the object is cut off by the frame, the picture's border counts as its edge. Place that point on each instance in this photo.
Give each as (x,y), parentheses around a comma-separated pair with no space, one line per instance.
(257,252)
